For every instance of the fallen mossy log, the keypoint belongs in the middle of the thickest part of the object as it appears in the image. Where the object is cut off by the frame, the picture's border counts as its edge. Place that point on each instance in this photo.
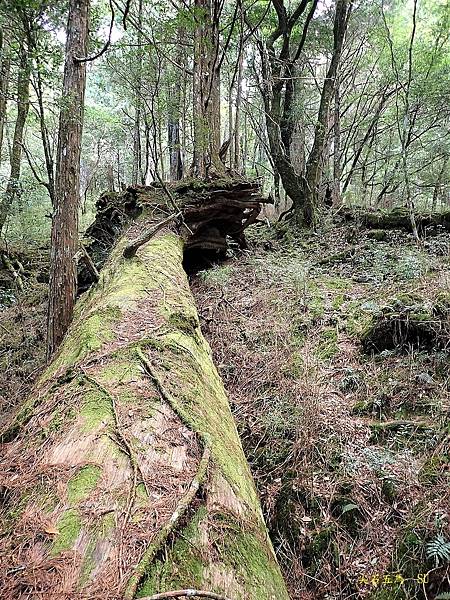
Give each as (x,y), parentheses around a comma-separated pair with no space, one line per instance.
(398,218)
(123,474)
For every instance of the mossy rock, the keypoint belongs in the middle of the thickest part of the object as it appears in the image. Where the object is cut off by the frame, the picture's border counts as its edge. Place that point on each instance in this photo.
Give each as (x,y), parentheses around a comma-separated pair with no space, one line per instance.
(378,234)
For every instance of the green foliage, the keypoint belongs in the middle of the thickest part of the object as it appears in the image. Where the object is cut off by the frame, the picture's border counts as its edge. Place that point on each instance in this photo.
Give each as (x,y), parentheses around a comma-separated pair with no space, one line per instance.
(438,550)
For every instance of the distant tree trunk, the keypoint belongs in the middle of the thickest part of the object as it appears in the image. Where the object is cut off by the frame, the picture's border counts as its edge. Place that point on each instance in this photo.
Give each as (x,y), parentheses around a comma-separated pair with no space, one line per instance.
(136,176)
(49,163)
(438,185)
(110,177)
(5,65)
(236,161)
(176,166)
(206,89)
(314,165)
(23,104)
(337,166)
(64,240)
(230,120)
(173,129)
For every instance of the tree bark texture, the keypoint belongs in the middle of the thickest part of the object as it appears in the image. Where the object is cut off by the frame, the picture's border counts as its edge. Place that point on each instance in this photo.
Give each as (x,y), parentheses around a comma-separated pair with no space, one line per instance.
(12,191)
(64,240)
(206,90)
(5,66)
(128,477)
(314,166)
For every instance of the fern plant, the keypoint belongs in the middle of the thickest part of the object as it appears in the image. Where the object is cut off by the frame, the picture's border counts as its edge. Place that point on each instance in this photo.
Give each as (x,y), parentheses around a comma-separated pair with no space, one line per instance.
(438,549)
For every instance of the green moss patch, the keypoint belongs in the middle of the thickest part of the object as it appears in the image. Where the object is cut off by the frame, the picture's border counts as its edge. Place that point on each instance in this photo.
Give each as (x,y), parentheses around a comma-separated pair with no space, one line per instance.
(236,551)
(183,567)
(96,409)
(327,347)
(69,528)
(81,484)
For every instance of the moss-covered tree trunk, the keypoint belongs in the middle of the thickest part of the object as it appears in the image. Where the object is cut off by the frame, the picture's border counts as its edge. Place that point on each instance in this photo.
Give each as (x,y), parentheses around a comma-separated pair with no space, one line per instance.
(123,474)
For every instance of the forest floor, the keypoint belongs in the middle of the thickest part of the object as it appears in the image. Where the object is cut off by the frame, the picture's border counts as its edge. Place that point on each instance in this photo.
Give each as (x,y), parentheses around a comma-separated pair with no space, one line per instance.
(334,349)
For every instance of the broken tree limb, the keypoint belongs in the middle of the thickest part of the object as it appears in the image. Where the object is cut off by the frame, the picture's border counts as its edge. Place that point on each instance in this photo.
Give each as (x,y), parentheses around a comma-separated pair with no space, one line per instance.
(132,248)
(129,427)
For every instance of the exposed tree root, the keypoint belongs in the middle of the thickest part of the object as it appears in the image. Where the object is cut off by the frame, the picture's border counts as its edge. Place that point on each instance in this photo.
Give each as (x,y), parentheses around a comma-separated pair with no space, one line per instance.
(164,533)
(188,593)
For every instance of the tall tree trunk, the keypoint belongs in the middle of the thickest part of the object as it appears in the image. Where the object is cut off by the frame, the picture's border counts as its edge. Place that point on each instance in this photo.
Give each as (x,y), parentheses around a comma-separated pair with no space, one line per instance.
(49,163)
(206,89)
(437,191)
(5,66)
(173,128)
(64,240)
(337,165)
(141,482)
(236,161)
(314,166)
(277,89)
(136,175)
(23,104)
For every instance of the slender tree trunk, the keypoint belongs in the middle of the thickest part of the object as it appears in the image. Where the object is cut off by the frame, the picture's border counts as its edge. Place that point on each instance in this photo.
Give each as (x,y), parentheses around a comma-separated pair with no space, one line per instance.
(136,175)
(141,482)
(23,104)
(64,241)
(206,90)
(49,164)
(337,165)
(237,130)
(230,121)
(314,167)
(5,66)
(173,129)
(438,186)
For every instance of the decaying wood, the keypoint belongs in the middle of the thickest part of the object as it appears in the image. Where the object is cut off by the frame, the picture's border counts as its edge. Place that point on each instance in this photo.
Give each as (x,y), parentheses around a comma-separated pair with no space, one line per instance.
(123,474)
(132,248)
(400,218)
(210,212)
(83,255)
(188,593)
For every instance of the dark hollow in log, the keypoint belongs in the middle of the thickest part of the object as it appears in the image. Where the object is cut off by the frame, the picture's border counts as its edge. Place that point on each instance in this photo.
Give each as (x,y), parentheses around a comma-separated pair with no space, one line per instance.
(208,215)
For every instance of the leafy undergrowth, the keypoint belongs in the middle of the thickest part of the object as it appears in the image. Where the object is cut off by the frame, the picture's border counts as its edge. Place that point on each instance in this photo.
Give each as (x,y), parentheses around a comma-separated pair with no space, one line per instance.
(335,351)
